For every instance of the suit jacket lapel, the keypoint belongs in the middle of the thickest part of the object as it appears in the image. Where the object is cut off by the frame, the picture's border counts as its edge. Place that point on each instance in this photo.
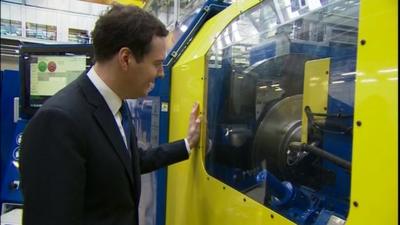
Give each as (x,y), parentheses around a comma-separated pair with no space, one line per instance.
(106,121)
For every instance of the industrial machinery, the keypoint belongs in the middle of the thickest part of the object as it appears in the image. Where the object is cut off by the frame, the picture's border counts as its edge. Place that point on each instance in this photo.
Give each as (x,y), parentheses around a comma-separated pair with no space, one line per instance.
(9,91)
(299,104)
(288,89)
(43,70)
(258,117)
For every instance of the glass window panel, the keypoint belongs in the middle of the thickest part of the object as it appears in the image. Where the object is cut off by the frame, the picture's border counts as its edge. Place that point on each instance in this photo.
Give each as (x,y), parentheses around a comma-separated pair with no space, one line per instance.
(78,36)
(11,27)
(163,10)
(182,25)
(51,32)
(30,30)
(255,84)
(187,7)
(41,31)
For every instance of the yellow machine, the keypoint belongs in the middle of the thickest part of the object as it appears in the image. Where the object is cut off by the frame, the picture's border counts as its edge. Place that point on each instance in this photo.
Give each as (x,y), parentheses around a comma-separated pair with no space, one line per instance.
(290,65)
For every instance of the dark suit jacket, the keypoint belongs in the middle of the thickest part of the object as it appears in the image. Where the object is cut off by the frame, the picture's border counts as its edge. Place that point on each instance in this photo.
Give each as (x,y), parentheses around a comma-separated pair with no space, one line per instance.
(74,165)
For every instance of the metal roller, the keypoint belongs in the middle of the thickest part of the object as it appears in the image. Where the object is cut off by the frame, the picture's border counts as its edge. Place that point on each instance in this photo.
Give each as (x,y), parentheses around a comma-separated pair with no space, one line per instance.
(280,126)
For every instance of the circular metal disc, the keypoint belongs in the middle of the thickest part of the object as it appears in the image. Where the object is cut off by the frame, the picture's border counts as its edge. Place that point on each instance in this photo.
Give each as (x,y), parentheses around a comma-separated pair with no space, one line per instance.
(281,121)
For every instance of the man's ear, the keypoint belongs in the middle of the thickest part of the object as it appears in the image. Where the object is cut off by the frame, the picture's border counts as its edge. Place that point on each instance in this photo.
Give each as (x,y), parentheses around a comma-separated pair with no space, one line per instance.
(125,58)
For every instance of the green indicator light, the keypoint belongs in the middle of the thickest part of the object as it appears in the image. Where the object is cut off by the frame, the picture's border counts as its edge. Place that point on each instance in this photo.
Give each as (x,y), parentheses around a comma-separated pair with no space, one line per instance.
(42,66)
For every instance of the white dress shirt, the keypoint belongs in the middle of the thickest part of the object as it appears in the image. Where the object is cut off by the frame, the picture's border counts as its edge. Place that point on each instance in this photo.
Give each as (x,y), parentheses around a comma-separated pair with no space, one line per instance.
(113,101)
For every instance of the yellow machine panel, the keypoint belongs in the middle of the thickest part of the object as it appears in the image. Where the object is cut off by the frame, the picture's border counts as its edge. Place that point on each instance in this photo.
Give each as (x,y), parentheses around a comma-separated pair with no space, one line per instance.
(138,3)
(193,197)
(374,184)
(316,78)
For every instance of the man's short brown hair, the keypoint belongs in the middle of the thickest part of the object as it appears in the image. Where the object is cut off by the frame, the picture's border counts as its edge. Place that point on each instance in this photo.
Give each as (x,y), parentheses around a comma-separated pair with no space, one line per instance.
(125,26)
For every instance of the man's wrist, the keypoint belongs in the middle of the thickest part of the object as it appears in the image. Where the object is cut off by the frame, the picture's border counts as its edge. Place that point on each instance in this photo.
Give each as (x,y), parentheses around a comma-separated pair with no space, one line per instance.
(187,145)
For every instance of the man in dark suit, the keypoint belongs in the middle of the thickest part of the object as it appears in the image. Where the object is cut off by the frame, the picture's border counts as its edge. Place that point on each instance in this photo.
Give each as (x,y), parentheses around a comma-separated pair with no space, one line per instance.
(80,164)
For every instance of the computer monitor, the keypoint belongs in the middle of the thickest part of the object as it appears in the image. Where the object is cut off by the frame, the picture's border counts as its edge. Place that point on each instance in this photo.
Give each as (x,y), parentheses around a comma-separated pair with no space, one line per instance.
(46,69)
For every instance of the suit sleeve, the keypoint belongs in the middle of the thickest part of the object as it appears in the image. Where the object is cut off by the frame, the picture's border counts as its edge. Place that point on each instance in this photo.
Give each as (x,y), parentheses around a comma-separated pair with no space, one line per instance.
(52,167)
(162,156)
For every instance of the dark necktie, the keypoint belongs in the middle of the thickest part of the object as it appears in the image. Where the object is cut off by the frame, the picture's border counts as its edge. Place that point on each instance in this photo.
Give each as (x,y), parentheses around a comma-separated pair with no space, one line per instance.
(126,124)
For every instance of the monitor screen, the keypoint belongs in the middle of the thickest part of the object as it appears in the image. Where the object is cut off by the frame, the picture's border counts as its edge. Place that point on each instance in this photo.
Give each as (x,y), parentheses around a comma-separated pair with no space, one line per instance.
(46,69)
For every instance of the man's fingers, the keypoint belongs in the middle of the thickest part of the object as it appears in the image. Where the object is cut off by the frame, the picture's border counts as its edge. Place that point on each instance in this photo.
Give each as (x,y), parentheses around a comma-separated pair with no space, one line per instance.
(198,120)
(195,107)
(194,125)
(195,112)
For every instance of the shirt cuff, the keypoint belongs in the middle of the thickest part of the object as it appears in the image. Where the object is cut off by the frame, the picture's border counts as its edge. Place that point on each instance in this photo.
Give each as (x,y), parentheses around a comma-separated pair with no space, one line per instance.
(187,145)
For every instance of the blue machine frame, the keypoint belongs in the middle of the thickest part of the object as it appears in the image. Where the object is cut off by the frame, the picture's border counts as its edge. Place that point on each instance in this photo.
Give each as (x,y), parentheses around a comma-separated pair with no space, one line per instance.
(10,89)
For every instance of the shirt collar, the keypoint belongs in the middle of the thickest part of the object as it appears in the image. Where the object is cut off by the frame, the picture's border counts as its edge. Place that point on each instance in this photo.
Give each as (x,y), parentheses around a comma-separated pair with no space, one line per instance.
(113,101)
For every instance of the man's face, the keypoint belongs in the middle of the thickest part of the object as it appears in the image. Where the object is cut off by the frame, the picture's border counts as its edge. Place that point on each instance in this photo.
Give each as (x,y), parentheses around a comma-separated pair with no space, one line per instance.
(141,75)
